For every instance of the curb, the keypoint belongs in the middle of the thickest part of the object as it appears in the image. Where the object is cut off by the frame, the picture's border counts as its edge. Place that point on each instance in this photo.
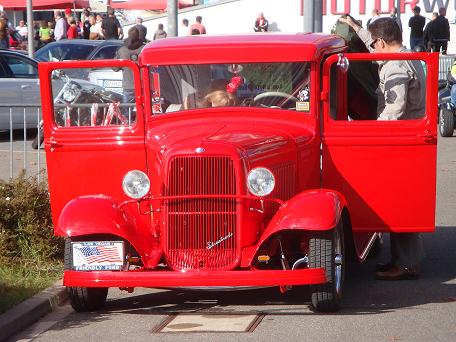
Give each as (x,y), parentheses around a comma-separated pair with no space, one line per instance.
(31,310)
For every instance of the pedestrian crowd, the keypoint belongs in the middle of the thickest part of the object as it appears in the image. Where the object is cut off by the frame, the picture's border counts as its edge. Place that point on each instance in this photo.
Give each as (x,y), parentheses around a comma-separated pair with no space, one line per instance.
(432,37)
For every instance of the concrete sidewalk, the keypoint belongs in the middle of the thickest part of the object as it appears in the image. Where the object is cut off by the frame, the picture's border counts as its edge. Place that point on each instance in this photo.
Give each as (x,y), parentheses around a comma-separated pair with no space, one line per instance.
(31,310)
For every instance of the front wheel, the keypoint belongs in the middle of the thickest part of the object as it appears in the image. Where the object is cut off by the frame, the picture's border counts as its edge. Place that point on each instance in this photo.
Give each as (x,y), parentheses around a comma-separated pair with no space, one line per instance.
(446,122)
(327,250)
(83,299)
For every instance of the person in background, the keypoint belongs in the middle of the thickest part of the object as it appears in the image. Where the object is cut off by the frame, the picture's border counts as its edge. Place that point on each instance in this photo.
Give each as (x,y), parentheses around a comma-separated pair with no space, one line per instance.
(111,27)
(375,16)
(94,33)
(195,32)
(261,23)
(130,50)
(86,24)
(99,22)
(22,29)
(45,33)
(160,33)
(440,32)
(416,24)
(198,26)
(61,26)
(183,29)
(427,34)
(72,32)
(141,29)
(393,15)
(51,26)
(4,37)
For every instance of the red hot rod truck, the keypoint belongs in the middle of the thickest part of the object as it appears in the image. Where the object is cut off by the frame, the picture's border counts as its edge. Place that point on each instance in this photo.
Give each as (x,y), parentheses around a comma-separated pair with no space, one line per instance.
(231,161)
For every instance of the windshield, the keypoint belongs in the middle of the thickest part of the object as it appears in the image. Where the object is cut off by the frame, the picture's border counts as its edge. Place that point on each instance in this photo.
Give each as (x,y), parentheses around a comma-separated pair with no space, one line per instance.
(60,52)
(266,85)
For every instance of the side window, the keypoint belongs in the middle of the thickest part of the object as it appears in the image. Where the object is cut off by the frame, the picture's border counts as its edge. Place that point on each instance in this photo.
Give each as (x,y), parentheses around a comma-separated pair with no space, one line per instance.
(20,68)
(369,90)
(107,52)
(93,97)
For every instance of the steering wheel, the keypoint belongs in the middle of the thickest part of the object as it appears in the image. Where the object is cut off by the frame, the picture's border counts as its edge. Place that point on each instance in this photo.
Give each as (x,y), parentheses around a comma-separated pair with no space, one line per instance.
(274,94)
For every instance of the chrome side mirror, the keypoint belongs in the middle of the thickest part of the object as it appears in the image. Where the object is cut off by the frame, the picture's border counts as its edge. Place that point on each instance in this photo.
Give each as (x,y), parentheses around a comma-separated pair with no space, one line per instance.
(343,63)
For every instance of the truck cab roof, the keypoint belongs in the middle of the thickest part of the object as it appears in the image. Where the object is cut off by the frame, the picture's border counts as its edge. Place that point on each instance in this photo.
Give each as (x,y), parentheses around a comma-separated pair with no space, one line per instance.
(255,47)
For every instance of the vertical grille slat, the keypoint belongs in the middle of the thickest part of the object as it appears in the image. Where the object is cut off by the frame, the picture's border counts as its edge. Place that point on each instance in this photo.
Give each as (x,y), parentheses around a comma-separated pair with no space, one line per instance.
(193,223)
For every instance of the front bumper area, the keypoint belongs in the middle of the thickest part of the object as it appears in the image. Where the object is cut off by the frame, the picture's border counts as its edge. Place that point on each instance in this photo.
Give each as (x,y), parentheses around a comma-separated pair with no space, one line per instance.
(194,278)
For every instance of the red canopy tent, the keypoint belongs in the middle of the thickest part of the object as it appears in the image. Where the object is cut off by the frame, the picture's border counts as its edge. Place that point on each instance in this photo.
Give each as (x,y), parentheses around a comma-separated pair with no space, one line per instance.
(18,5)
(156,5)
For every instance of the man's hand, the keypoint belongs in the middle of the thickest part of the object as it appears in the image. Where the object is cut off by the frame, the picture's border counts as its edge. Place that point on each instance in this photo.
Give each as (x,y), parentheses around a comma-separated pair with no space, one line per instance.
(350,22)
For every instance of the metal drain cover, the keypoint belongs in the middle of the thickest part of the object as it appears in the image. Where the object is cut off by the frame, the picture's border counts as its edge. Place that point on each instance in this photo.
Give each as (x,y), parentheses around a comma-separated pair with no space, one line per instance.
(210,322)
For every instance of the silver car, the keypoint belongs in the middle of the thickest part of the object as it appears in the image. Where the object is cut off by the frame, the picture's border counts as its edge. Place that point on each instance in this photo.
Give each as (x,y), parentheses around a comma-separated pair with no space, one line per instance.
(19,86)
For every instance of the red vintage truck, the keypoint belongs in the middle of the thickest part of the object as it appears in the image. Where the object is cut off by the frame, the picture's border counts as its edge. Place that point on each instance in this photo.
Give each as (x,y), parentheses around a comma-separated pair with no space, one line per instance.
(250,160)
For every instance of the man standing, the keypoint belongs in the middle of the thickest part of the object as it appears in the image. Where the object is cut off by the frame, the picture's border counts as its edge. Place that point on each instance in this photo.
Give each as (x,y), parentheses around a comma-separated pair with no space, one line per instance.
(111,27)
(85,24)
(261,23)
(141,29)
(22,29)
(183,29)
(440,32)
(416,24)
(198,26)
(401,96)
(61,26)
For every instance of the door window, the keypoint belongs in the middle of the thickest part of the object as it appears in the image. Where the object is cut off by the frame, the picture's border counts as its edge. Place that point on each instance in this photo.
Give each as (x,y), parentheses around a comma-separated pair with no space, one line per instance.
(93,97)
(371,90)
(106,52)
(20,68)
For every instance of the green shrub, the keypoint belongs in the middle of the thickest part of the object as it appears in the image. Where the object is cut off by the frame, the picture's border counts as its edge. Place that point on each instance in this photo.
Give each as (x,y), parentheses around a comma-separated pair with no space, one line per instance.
(26,229)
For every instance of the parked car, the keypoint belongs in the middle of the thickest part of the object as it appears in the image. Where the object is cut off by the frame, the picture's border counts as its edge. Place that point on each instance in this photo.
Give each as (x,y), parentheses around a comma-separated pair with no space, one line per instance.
(19,85)
(78,49)
(83,49)
(210,186)
(447,111)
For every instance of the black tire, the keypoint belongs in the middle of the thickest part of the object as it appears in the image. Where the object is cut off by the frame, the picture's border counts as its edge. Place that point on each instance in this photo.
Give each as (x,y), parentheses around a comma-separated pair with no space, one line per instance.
(327,250)
(83,299)
(35,144)
(446,122)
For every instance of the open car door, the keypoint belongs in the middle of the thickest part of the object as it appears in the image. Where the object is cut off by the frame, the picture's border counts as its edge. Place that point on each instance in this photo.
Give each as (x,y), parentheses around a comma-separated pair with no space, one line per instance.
(93,135)
(385,169)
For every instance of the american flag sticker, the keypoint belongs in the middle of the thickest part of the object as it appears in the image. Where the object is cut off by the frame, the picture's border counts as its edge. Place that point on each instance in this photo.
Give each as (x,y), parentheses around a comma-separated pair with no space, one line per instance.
(98,255)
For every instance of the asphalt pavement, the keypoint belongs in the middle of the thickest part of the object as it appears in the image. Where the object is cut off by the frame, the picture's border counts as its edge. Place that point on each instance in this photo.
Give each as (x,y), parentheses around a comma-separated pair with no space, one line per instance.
(423,310)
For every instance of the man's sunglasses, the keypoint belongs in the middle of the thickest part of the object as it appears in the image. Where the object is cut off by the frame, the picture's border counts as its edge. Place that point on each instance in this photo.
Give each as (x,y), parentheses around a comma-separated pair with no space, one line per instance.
(372,45)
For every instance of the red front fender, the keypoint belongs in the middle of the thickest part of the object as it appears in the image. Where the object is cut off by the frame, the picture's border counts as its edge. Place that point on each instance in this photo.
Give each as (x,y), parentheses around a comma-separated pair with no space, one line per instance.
(309,210)
(98,214)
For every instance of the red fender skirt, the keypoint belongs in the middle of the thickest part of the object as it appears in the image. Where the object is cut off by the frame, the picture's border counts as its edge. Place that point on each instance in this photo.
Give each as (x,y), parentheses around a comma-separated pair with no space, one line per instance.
(193,278)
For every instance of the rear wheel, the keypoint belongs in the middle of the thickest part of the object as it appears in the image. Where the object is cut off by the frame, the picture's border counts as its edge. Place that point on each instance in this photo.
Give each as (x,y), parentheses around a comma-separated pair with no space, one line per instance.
(327,250)
(446,122)
(83,299)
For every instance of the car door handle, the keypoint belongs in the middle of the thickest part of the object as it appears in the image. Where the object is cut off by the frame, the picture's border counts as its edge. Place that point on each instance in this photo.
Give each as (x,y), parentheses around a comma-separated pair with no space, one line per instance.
(25,86)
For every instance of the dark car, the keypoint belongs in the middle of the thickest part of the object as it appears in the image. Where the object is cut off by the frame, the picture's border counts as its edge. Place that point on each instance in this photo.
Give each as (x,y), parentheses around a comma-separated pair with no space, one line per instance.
(78,49)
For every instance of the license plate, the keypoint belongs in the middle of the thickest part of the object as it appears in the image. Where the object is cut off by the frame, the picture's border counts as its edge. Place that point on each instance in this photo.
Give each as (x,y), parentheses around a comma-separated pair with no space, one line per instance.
(112,84)
(97,255)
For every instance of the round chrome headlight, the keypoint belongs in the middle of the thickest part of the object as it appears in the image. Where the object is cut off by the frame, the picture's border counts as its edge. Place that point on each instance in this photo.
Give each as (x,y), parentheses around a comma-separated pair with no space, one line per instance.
(260,181)
(69,95)
(136,184)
